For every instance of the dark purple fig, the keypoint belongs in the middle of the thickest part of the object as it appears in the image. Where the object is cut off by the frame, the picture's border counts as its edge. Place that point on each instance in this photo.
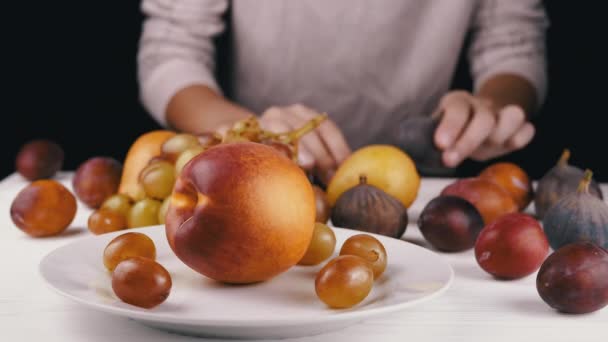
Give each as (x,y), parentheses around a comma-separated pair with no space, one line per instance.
(369,209)
(450,223)
(574,279)
(415,135)
(561,180)
(578,216)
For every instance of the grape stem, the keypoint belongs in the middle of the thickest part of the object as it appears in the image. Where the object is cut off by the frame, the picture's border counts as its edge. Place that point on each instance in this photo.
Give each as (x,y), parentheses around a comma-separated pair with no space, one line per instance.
(295,135)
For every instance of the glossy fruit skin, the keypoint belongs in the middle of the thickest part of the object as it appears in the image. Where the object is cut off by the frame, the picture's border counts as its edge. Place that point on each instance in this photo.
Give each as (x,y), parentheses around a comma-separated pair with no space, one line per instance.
(162,212)
(141,282)
(118,203)
(513,179)
(174,146)
(415,135)
(511,247)
(386,167)
(43,208)
(241,213)
(97,179)
(370,249)
(344,282)
(186,156)
(146,147)
(369,209)
(578,216)
(158,179)
(321,246)
(104,221)
(39,159)
(489,199)
(128,245)
(561,180)
(323,209)
(144,213)
(450,223)
(574,279)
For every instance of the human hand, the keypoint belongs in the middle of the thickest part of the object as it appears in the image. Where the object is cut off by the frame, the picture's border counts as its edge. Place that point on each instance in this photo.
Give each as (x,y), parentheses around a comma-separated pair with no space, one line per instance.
(321,150)
(471,127)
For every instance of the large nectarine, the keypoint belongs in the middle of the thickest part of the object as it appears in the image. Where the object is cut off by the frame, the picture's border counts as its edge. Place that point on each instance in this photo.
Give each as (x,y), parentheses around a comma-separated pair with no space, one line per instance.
(241,213)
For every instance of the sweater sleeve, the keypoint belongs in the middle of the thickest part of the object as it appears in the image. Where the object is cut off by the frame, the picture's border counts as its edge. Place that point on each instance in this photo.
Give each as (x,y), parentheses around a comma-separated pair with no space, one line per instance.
(509,37)
(176,49)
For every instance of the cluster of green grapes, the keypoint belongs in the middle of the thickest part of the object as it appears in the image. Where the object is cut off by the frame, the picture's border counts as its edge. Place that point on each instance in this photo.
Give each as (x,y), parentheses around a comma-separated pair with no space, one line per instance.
(158,177)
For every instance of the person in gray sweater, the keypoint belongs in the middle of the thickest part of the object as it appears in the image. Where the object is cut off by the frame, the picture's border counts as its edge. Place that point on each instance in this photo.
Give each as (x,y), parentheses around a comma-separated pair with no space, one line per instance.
(368,64)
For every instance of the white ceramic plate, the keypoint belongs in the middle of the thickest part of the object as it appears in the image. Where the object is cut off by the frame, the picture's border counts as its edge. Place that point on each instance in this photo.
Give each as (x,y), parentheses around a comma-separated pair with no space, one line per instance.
(286,306)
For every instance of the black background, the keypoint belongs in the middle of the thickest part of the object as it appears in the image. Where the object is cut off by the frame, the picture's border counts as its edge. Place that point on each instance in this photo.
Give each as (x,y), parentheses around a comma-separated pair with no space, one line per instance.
(69,74)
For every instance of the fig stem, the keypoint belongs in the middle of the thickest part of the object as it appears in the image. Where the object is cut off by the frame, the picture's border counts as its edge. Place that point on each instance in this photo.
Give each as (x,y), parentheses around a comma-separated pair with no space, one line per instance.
(362,179)
(583,186)
(563,159)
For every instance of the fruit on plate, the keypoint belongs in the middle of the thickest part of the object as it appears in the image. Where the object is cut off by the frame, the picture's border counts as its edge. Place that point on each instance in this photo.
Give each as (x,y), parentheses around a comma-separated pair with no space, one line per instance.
(578,216)
(141,282)
(162,212)
(415,135)
(574,279)
(367,208)
(511,247)
(144,213)
(158,179)
(386,167)
(241,213)
(128,245)
(186,156)
(321,245)
(39,159)
(118,203)
(43,208)
(491,200)
(513,179)
(368,248)
(97,179)
(450,223)
(104,221)
(174,146)
(561,180)
(344,282)
(323,209)
(146,147)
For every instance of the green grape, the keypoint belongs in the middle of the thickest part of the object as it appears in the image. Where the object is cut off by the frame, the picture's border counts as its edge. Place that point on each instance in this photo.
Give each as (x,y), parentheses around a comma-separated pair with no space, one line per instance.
(158,179)
(144,213)
(118,203)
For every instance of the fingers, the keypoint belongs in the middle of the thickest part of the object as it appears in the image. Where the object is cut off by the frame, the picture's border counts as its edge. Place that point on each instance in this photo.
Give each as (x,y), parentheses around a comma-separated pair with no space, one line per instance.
(510,120)
(329,133)
(456,110)
(519,140)
(274,120)
(522,137)
(476,132)
(311,142)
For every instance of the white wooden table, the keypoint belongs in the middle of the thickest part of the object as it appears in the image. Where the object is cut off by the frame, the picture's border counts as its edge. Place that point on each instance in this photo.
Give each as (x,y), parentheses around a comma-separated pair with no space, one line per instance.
(475,308)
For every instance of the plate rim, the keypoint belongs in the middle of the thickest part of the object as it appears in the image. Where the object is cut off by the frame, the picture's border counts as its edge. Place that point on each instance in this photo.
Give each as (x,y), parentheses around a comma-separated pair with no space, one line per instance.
(148,316)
